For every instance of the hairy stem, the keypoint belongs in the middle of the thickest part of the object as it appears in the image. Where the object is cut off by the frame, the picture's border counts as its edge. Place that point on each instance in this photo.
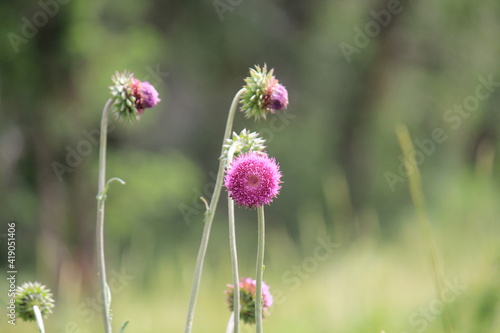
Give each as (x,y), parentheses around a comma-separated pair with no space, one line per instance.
(209,216)
(234,252)
(230,324)
(101,197)
(39,319)
(260,268)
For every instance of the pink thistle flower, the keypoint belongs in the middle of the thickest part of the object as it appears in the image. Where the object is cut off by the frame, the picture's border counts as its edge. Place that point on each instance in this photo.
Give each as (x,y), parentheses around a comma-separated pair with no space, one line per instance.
(145,95)
(253,179)
(276,97)
(247,299)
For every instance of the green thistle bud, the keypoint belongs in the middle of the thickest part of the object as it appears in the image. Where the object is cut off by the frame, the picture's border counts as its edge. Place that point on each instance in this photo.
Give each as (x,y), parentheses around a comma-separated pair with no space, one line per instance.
(243,143)
(123,96)
(131,96)
(263,94)
(30,294)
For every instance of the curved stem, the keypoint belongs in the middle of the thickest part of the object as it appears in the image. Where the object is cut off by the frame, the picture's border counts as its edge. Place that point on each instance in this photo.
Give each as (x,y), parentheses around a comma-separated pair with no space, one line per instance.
(260,268)
(39,319)
(101,197)
(209,216)
(234,252)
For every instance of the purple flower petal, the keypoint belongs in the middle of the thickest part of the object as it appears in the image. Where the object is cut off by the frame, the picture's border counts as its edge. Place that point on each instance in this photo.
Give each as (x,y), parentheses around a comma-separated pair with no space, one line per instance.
(253,180)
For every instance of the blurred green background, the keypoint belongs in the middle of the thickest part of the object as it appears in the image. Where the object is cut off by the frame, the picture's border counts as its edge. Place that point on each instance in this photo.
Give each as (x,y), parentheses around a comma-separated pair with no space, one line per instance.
(353,69)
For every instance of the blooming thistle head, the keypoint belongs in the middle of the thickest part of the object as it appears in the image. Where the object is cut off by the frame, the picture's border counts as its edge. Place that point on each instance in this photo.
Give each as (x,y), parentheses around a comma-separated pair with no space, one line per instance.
(253,179)
(30,294)
(131,96)
(263,94)
(247,299)
(243,143)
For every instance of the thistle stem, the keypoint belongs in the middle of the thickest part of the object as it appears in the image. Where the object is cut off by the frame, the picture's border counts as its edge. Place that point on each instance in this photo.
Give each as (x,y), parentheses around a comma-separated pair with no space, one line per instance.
(230,324)
(260,268)
(418,198)
(209,216)
(101,197)
(234,252)
(39,319)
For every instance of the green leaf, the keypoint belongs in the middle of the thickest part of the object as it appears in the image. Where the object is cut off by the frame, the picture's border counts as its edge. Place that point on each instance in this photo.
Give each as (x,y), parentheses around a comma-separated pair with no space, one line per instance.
(122,329)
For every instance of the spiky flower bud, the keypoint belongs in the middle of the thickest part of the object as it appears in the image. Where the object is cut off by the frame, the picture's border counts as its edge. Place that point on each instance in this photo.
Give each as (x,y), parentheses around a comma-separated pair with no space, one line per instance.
(247,299)
(30,294)
(243,143)
(263,94)
(131,96)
